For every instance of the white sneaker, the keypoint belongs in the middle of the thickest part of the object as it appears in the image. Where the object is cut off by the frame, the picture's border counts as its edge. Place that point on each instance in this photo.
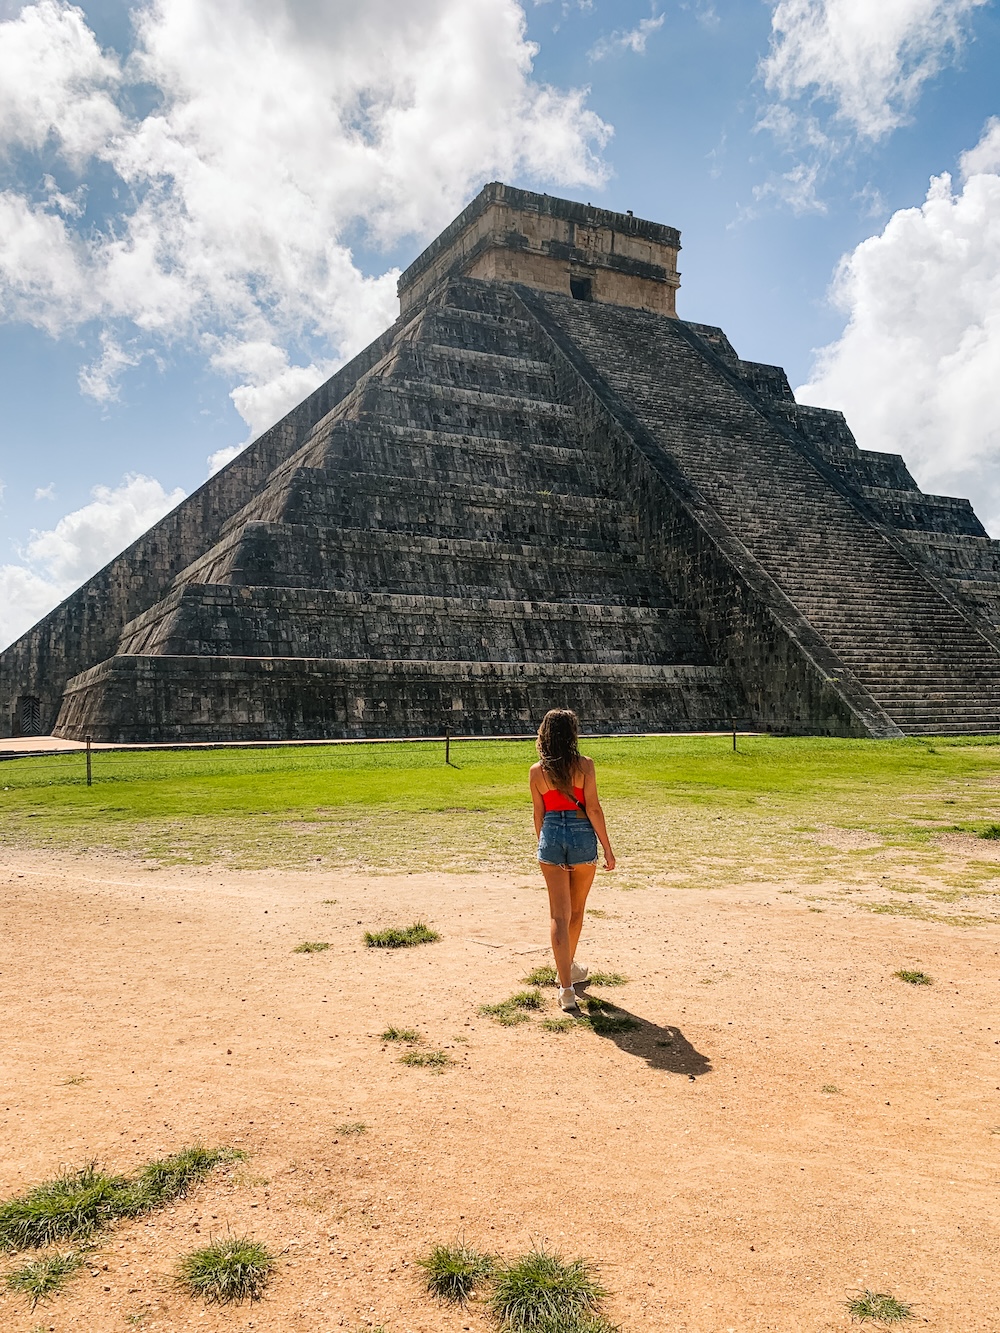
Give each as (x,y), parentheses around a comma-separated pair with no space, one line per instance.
(578,972)
(567,999)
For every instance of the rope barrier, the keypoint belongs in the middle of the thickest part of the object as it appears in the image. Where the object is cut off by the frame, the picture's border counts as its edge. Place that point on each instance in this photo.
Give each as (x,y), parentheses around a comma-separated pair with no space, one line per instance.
(26,767)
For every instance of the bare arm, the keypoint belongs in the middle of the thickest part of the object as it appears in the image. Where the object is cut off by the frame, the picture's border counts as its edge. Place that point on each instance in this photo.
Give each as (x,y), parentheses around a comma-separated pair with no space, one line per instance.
(537,804)
(595,813)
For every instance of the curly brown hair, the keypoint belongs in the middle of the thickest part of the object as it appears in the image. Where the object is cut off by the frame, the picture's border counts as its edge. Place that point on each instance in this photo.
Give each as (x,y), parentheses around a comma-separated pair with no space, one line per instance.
(558,747)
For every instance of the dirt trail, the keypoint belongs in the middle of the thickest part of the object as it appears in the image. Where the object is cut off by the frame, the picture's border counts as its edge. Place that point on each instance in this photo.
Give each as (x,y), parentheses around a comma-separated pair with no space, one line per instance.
(697,1158)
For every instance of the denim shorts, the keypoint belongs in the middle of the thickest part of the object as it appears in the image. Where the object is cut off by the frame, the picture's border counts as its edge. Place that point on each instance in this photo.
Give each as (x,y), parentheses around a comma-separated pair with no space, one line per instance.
(567,839)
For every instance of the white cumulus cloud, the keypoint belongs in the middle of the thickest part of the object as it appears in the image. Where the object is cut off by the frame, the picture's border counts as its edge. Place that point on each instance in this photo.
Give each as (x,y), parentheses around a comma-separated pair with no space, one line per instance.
(985,157)
(868,58)
(218,460)
(627,39)
(796,189)
(56,85)
(279,135)
(57,560)
(100,380)
(24,598)
(917,367)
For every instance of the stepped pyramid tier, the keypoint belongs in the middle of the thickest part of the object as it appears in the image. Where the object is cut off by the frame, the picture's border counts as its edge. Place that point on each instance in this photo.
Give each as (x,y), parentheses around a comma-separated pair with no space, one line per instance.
(538,488)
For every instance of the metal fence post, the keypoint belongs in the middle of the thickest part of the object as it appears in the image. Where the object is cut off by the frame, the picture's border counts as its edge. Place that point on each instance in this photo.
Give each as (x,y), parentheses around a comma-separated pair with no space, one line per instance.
(90,779)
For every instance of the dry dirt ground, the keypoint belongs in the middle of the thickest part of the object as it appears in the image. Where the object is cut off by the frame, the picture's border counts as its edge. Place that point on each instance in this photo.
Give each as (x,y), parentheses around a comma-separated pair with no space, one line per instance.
(698,1159)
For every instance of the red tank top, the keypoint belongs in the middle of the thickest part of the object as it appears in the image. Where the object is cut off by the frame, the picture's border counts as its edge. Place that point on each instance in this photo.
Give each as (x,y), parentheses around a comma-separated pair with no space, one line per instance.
(556,800)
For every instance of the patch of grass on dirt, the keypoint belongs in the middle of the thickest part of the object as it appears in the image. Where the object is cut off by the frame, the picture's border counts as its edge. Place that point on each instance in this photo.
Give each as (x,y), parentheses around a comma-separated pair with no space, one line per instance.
(452,1272)
(514,1010)
(923,914)
(170,1178)
(227,1271)
(541,1291)
(914,978)
(545,975)
(507,1018)
(606,1018)
(70,1207)
(78,1203)
(310,946)
(578,1324)
(351,1127)
(991,833)
(879,1307)
(426,1059)
(830,1088)
(406,938)
(41,1279)
(558,1024)
(409,1035)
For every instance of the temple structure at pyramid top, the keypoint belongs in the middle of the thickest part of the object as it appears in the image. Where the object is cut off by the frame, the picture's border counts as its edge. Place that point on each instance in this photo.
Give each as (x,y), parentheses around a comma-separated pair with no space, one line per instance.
(553,245)
(540,487)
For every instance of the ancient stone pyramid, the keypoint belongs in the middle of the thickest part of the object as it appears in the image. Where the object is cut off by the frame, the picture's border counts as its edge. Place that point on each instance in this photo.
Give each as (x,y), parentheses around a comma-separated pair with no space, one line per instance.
(539,488)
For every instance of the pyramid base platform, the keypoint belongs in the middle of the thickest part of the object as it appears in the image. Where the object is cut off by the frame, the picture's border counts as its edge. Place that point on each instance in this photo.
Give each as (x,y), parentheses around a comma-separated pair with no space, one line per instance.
(135,698)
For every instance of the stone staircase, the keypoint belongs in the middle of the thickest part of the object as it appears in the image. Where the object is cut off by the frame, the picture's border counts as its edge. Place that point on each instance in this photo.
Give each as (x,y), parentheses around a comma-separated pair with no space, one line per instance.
(440,551)
(911,649)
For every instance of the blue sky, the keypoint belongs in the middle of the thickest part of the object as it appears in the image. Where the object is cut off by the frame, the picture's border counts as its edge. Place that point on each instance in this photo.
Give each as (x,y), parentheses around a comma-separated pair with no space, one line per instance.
(204,202)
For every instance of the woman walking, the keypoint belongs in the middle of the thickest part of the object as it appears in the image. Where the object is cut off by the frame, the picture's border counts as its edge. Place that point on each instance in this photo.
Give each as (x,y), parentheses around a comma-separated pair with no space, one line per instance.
(569,822)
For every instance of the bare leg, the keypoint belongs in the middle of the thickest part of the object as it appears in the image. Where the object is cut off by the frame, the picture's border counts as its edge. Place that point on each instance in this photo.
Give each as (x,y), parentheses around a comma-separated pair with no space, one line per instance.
(580,880)
(557,881)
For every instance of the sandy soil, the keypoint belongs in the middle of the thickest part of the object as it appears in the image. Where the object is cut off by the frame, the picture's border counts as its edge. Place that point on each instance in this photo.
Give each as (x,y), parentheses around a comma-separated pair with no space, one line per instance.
(698,1159)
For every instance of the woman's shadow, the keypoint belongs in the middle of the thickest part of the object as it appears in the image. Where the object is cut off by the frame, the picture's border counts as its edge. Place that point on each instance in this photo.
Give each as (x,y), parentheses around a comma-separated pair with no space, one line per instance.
(663,1048)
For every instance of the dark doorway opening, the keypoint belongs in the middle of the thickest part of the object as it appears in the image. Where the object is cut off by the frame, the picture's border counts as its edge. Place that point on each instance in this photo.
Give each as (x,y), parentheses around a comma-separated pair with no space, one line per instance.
(30,716)
(581,289)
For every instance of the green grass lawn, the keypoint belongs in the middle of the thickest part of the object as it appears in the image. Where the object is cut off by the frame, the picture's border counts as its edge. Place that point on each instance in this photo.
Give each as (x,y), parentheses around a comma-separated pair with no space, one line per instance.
(684,810)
